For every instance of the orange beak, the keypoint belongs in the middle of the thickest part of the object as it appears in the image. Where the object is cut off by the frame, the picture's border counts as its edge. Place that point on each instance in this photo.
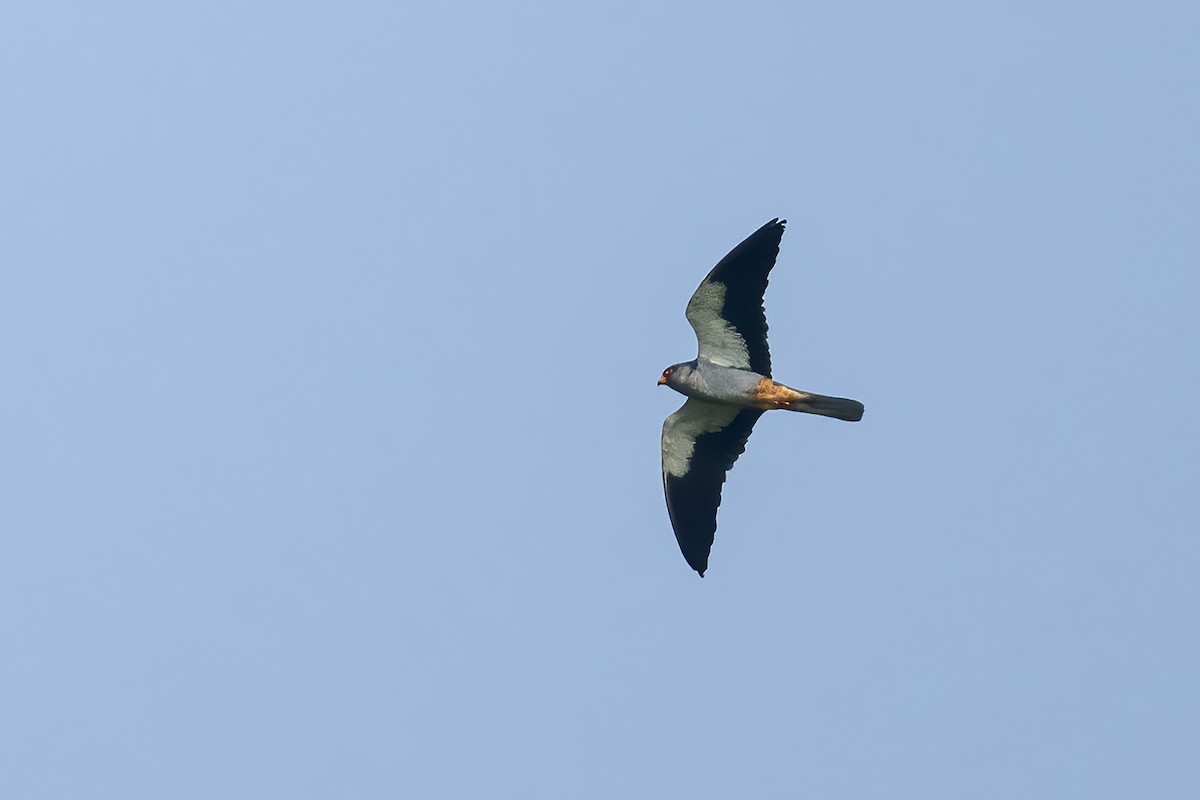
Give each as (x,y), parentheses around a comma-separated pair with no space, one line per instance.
(662,380)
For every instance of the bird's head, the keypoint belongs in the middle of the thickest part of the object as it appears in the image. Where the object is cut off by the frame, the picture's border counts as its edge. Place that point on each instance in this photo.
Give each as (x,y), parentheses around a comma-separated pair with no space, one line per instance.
(674,375)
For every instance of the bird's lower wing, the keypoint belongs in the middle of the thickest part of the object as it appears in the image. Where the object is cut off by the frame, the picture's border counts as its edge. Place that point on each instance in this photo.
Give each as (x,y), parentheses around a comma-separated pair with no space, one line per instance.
(700,443)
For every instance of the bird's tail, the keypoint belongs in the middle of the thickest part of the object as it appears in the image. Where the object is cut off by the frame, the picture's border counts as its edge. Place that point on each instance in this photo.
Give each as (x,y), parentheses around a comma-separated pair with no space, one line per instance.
(770,394)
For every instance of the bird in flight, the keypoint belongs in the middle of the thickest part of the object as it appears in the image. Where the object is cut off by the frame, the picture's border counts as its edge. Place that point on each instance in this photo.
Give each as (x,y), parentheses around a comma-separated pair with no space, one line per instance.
(728,386)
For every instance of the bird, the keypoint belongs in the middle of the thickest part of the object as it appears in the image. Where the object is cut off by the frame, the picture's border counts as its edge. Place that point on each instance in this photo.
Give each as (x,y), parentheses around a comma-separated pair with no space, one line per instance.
(728,386)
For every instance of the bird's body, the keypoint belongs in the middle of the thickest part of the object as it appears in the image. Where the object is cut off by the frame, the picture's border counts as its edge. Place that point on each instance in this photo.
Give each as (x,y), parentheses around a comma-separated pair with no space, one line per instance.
(729,386)
(704,380)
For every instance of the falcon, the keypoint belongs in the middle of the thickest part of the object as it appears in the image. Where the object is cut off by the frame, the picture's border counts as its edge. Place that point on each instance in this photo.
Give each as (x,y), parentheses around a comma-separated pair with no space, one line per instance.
(728,386)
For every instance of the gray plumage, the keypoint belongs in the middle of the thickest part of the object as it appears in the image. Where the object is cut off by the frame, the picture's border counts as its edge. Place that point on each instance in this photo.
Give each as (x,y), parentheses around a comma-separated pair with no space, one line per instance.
(729,387)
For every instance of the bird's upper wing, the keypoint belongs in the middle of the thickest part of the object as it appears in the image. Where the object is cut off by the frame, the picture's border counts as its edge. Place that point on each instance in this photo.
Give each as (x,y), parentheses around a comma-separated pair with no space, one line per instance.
(726,310)
(700,442)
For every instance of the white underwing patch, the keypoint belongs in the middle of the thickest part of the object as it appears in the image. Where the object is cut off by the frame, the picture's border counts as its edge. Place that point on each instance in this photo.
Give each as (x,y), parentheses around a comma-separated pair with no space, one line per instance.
(694,419)
(720,342)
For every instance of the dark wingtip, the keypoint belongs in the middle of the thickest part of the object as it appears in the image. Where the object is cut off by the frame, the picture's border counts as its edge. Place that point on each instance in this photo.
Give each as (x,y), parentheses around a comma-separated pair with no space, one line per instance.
(775,228)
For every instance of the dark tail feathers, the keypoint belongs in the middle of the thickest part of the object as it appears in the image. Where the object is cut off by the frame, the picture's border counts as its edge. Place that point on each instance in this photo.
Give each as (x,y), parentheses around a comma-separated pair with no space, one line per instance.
(837,407)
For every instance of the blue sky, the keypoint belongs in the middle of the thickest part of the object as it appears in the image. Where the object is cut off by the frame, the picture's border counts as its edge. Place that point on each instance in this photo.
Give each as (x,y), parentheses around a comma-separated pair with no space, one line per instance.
(330,430)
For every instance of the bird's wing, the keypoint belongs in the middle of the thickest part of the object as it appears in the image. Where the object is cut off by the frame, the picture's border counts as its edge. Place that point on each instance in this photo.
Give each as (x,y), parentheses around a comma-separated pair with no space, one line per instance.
(726,310)
(700,442)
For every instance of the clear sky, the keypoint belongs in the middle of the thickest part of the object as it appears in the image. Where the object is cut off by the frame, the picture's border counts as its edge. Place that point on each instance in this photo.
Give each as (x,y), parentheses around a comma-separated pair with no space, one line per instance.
(329,432)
